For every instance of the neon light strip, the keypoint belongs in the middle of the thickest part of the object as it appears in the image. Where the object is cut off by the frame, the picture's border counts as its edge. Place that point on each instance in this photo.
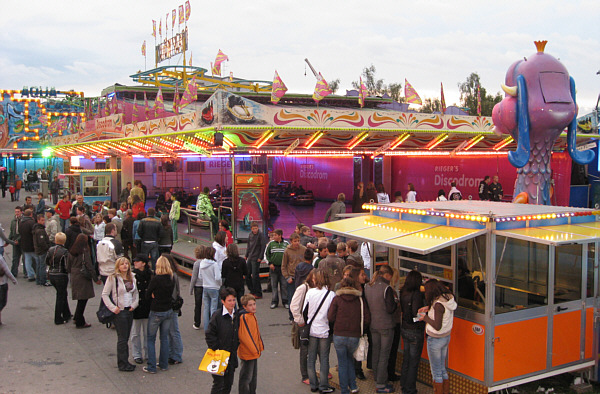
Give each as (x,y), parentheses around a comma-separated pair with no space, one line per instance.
(314,139)
(264,138)
(358,139)
(474,141)
(503,143)
(437,141)
(399,141)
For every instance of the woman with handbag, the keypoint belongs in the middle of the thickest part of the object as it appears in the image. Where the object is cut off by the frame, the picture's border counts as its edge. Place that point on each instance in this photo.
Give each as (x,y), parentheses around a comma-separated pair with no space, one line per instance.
(79,265)
(120,295)
(349,315)
(160,293)
(316,304)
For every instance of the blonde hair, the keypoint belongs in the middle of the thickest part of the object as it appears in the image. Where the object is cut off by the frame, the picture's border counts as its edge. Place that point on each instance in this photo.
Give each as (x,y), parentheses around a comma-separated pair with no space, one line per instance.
(60,238)
(384,269)
(163,266)
(120,261)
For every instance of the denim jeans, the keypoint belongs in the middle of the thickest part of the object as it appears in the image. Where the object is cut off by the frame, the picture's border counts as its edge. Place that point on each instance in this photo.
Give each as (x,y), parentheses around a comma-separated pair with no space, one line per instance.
(139,338)
(198,305)
(318,346)
(62,313)
(151,248)
(40,268)
(253,279)
(278,279)
(64,224)
(210,299)
(174,228)
(437,350)
(29,262)
(304,360)
(175,343)
(16,258)
(382,343)
(394,351)
(344,348)
(17,193)
(248,373)
(158,320)
(291,289)
(123,321)
(413,347)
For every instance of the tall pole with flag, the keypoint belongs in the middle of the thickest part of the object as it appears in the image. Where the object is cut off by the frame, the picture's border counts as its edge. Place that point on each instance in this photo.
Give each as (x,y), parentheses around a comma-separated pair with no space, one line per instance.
(361,93)
(443,100)
(412,97)
(322,89)
(278,89)
(154,35)
(144,53)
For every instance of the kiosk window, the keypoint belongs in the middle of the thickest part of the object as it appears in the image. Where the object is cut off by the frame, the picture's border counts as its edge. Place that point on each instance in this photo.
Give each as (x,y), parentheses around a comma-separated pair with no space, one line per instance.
(96,185)
(470,274)
(567,273)
(522,274)
(437,264)
(590,269)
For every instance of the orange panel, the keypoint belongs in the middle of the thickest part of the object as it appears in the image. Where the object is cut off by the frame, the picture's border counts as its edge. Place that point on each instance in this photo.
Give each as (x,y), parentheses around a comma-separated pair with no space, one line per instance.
(566,338)
(589,332)
(520,348)
(466,352)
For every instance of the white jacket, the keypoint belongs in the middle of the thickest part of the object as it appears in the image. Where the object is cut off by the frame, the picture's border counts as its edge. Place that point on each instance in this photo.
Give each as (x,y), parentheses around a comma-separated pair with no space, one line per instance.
(319,325)
(211,274)
(122,298)
(449,306)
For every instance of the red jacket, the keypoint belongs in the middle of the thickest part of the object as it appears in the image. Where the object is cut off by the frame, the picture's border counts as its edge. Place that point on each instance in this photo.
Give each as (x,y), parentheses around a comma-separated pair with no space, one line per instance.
(63,209)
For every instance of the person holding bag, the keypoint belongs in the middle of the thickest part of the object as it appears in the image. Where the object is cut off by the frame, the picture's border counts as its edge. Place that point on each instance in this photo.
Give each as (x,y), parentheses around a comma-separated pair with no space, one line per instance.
(120,295)
(349,314)
(79,265)
(296,309)
(316,304)
(56,260)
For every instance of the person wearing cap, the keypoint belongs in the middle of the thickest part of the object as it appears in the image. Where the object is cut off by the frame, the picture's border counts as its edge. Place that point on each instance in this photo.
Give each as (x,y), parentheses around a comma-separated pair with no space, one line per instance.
(53,225)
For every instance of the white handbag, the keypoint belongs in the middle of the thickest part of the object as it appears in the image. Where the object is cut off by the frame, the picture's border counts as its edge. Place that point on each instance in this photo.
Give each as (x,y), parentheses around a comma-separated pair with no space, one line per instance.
(360,354)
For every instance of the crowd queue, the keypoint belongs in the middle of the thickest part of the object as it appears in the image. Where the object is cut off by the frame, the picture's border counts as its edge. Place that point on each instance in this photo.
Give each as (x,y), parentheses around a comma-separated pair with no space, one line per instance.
(323,284)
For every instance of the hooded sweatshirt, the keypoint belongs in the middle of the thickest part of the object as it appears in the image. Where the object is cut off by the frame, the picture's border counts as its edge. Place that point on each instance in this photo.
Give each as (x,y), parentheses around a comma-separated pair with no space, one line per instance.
(345,313)
(302,271)
(445,308)
(211,274)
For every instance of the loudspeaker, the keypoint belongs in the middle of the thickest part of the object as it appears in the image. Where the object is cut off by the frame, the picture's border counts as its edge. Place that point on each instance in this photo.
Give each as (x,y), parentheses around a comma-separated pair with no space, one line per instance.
(218,139)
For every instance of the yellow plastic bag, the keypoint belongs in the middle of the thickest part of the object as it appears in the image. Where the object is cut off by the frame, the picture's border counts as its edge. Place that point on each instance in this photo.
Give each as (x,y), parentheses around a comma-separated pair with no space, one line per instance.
(215,362)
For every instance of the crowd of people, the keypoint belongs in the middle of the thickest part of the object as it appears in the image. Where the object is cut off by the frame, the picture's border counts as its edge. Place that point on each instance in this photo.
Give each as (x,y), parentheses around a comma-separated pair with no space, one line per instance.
(323,284)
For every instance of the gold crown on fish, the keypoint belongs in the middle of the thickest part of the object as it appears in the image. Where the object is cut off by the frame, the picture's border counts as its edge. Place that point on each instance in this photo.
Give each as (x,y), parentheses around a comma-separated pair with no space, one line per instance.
(540,45)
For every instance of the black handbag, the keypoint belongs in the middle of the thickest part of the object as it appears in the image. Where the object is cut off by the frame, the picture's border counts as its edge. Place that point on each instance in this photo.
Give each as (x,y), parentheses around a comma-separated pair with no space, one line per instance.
(84,271)
(304,331)
(105,315)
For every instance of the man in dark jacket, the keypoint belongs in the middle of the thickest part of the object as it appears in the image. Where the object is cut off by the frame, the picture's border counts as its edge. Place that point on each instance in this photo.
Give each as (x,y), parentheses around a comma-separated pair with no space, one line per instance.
(254,255)
(354,258)
(26,242)
(15,236)
(41,244)
(82,204)
(149,231)
(127,235)
(222,334)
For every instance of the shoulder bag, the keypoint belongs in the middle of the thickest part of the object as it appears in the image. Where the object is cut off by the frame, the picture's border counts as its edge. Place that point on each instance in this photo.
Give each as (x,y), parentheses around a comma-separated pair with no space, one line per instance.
(296,328)
(304,331)
(105,315)
(84,271)
(360,354)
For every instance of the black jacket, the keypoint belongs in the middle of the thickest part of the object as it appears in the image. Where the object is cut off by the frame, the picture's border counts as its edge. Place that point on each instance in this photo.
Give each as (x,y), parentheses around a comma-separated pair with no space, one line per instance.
(56,260)
(222,334)
(233,273)
(149,229)
(142,280)
(26,232)
(72,232)
(127,230)
(41,241)
(410,304)
(161,286)
(256,246)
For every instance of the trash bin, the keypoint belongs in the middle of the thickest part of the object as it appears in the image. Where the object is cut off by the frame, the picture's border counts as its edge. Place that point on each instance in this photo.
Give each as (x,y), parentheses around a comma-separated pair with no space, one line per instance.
(44,187)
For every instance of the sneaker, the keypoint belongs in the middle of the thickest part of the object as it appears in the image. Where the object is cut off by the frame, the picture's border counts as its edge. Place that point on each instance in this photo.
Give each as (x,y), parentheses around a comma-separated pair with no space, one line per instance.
(47,284)
(286,306)
(393,377)
(174,362)
(138,360)
(354,391)
(386,389)
(306,381)
(145,369)
(327,390)
(195,327)
(273,306)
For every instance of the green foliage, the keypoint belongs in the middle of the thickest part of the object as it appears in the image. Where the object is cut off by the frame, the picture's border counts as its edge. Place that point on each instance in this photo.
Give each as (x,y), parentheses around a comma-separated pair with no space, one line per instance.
(334,85)
(377,87)
(431,105)
(468,96)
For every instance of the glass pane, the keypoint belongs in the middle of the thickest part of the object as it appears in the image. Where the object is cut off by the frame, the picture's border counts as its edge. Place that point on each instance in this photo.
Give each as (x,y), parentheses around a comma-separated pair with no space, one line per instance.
(442,256)
(590,270)
(567,275)
(470,268)
(522,280)
(94,186)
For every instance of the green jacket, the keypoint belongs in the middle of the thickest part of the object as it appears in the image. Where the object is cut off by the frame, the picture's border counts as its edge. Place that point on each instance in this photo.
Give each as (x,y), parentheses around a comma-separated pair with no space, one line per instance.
(175,210)
(14,234)
(275,252)
(204,205)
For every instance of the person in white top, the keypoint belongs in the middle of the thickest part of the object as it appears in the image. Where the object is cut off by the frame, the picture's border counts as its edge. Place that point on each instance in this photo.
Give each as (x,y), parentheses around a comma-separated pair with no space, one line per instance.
(454,194)
(411,196)
(366,252)
(219,245)
(382,196)
(441,196)
(317,303)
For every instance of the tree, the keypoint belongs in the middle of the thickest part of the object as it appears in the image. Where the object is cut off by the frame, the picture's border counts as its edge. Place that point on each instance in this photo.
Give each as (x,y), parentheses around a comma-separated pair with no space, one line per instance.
(431,105)
(334,85)
(377,87)
(468,96)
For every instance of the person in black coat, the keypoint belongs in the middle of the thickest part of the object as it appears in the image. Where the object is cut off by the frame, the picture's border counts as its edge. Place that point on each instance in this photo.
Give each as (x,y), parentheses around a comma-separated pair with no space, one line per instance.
(72,231)
(234,271)
(139,333)
(222,334)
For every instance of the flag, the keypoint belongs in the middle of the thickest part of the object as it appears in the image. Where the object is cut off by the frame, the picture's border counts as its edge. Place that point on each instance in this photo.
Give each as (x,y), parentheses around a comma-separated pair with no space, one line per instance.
(173,18)
(478,102)
(136,110)
(115,106)
(181,16)
(176,101)
(216,67)
(147,109)
(411,94)
(167,24)
(191,53)
(278,89)
(190,95)
(106,108)
(153,28)
(231,76)
(159,104)
(160,28)
(188,10)
(321,89)
(443,100)
(361,93)
(144,48)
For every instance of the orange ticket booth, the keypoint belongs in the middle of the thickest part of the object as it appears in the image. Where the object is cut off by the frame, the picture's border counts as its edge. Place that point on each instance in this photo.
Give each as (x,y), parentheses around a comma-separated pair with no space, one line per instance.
(525,278)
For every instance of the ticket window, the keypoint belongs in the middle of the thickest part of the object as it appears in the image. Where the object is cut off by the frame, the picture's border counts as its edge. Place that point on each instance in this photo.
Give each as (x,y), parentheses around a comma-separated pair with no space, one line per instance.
(522,279)
(96,186)
(568,273)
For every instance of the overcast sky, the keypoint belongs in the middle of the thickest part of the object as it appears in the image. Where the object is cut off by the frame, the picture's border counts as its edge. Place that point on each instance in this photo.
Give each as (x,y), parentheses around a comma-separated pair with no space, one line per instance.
(89,45)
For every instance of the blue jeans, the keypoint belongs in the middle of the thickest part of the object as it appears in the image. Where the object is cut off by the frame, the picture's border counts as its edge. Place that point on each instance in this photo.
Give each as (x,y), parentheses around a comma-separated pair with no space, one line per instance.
(413,347)
(175,343)
(345,347)
(174,227)
(278,279)
(16,258)
(151,248)
(156,320)
(210,299)
(17,192)
(64,224)
(437,349)
(318,346)
(291,289)
(40,268)
(29,258)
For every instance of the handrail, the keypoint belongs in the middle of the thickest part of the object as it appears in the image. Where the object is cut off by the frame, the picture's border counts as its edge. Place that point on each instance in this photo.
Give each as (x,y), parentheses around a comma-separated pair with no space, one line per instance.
(196,215)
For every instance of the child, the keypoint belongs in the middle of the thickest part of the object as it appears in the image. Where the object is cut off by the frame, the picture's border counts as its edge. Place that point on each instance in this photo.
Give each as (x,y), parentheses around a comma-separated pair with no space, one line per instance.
(224,226)
(251,345)
(122,212)
(304,267)
(11,190)
(342,251)
(196,286)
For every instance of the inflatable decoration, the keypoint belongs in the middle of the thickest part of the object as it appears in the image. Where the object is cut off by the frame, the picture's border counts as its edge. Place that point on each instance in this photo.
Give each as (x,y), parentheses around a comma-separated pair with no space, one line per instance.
(539,104)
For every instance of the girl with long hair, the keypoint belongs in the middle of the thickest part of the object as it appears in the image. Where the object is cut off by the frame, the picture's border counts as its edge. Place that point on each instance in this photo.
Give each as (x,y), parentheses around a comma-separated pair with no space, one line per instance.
(82,288)
(234,271)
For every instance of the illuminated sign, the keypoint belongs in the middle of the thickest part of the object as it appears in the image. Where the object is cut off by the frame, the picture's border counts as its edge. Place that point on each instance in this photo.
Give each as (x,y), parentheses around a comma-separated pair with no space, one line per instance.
(38,92)
(172,46)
